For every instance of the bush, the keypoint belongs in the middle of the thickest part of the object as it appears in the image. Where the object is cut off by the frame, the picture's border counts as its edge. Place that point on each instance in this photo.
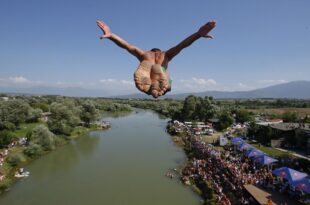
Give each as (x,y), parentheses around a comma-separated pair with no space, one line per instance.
(15,159)
(33,150)
(43,137)
(6,137)
(4,185)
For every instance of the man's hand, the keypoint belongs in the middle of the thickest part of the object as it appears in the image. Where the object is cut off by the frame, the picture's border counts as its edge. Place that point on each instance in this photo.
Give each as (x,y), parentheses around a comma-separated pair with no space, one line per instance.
(205,29)
(105,29)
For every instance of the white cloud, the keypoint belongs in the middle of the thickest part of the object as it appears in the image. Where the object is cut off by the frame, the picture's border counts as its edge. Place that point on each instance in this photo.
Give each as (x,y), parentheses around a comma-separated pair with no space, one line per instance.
(194,85)
(268,82)
(199,81)
(17,81)
(111,81)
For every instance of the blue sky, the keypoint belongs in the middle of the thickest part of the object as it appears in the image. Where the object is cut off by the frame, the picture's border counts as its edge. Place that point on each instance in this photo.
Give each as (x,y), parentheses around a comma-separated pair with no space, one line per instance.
(56,43)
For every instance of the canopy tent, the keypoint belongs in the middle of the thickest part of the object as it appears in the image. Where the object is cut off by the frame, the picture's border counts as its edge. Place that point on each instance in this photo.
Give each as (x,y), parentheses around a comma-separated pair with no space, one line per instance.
(289,174)
(245,146)
(237,140)
(254,153)
(264,159)
(302,184)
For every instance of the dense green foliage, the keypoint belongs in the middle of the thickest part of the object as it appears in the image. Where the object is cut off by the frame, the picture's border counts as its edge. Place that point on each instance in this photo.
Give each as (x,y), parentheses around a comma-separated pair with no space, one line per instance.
(199,109)
(290,117)
(43,137)
(225,120)
(6,137)
(243,115)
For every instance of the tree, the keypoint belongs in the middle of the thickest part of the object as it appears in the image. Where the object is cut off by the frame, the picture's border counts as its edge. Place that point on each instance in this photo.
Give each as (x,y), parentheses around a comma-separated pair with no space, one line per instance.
(89,112)
(243,115)
(15,159)
(41,135)
(264,134)
(6,137)
(225,120)
(290,117)
(64,116)
(33,150)
(189,108)
(13,111)
(253,129)
(207,109)
(34,115)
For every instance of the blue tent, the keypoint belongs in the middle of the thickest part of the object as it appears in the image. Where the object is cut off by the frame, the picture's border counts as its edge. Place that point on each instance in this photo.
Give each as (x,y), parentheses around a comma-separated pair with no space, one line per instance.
(237,140)
(264,159)
(245,146)
(254,153)
(289,174)
(302,184)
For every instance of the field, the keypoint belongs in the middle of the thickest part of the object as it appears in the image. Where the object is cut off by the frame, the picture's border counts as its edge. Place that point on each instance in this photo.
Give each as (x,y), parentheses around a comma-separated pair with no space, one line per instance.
(279,111)
(24,128)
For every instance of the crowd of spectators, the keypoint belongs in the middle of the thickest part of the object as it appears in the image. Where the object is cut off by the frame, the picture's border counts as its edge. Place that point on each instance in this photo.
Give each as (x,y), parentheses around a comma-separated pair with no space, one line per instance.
(226,172)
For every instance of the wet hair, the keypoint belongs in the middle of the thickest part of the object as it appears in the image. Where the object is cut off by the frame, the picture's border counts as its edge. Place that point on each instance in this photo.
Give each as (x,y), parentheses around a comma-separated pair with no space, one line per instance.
(155,49)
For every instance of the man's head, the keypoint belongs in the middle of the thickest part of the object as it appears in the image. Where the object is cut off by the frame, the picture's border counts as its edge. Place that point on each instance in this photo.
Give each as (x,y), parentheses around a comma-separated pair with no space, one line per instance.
(155,49)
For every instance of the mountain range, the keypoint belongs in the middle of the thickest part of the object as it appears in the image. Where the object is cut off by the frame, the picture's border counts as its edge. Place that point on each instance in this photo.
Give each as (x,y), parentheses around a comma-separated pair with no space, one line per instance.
(295,89)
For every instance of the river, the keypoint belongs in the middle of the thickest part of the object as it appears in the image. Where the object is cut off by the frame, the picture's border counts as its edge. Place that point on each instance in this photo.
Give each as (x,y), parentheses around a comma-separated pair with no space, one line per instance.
(124,165)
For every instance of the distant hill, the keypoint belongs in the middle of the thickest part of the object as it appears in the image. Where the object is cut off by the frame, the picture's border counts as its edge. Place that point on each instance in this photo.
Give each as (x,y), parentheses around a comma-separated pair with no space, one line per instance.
(295,89)
(45,90)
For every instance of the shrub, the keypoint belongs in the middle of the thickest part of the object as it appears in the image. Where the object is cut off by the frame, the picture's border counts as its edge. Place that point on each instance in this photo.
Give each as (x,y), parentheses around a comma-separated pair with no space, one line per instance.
(43,137)
(33,150)
(6,137)
(15,159)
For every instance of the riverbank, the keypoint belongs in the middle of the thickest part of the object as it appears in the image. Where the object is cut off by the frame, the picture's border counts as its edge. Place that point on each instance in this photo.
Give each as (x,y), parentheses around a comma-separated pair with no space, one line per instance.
(17,154)
(183,139)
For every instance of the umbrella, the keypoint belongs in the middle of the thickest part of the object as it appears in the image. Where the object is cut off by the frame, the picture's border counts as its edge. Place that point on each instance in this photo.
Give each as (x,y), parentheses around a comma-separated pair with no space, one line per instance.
(302,184)
(289,174)
(245,146)
(237,140)
(264,159)
(254,153)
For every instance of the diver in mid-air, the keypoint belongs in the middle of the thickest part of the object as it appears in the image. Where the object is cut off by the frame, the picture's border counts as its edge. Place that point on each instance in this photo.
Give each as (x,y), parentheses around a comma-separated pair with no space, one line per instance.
(151,77)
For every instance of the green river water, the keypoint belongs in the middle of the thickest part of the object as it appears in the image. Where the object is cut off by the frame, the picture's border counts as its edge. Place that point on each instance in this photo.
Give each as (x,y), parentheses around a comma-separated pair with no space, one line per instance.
(124,165)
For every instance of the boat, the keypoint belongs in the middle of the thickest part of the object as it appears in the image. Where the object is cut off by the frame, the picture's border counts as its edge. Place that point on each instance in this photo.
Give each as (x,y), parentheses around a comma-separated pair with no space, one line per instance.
(21,173)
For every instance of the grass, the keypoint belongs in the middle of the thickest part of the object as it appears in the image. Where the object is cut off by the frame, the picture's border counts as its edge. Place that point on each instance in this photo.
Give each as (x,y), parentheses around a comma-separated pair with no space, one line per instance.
(280,111)
(24,128)
(211,138)
(80,131)
(269,150)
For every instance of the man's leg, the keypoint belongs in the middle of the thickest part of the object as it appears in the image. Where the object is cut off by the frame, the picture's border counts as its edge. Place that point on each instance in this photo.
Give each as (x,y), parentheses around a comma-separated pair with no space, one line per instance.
(160,82)
(142,76)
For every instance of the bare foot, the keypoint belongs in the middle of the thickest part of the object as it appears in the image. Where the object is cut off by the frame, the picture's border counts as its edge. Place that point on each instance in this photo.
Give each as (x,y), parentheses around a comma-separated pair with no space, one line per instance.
(105,29)
(142,76)
(159,80)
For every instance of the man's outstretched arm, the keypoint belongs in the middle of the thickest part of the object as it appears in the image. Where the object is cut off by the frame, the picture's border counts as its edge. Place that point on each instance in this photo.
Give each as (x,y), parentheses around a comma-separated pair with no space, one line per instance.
(202,32)
(119,41)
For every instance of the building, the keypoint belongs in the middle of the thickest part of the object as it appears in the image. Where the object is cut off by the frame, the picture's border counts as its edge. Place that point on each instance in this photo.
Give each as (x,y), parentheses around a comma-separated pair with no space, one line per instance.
(293,134)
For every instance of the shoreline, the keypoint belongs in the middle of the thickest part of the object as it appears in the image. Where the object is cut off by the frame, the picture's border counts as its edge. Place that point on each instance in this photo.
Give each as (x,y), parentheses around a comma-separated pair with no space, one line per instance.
(187,140)
(180,141)
(10,178)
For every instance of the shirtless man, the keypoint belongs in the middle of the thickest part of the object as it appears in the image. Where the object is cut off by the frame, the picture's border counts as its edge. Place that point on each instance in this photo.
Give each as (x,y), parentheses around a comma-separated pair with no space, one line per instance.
(151,77)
